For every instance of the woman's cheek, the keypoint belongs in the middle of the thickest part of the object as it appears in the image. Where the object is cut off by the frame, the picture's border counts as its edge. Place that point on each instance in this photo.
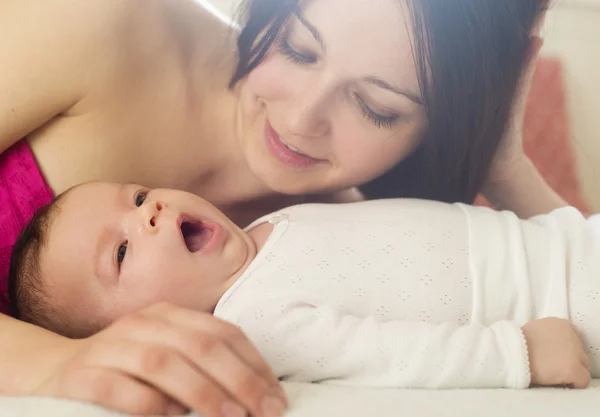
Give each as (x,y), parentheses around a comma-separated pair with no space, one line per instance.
(367,153)
(273,79)
(353,153)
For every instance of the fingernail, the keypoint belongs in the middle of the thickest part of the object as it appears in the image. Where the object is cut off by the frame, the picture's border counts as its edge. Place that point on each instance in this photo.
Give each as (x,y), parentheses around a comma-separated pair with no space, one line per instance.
(174,409)
(230,409)
(272,407)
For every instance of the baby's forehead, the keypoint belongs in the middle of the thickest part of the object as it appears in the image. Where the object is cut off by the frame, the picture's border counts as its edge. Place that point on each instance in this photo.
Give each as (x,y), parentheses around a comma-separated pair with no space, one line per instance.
(71,221)
(58,209)
(66,199)
(84,197)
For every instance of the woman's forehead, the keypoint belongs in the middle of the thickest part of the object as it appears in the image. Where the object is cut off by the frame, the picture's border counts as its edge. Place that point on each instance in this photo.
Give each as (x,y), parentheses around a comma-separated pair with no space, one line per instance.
(367,18)
(367,35)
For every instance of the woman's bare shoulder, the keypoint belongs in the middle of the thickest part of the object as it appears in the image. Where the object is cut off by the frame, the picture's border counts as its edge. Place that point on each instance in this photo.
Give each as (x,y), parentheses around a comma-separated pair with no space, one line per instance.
(51,53)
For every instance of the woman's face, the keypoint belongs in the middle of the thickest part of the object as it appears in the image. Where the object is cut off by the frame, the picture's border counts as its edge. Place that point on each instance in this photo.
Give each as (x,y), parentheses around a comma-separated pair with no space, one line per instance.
(336,103)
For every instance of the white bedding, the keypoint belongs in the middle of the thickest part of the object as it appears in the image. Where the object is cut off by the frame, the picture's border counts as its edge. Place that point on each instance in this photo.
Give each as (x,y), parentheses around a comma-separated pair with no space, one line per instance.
(331,401)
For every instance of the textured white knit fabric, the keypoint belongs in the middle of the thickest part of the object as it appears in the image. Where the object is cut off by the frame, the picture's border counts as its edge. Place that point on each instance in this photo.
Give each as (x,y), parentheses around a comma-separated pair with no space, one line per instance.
(410,293)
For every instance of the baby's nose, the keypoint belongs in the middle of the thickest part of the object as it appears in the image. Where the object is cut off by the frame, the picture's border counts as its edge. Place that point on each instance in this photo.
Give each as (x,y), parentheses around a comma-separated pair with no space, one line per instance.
(151,213)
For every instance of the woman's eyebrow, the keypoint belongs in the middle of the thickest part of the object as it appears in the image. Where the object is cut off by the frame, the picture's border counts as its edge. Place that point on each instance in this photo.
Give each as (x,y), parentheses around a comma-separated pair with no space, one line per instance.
(387,86)
(313,30)
(377,81)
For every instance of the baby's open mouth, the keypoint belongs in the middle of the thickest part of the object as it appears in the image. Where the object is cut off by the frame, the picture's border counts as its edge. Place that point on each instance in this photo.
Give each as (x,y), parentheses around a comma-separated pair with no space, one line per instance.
(196,234)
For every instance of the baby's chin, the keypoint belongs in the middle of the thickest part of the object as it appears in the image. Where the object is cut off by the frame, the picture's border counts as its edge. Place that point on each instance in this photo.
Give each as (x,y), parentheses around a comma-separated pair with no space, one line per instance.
(240,255)
(80,325)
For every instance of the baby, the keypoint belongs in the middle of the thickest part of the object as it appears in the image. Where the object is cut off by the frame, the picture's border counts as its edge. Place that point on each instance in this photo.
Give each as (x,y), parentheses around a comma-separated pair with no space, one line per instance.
(389,293)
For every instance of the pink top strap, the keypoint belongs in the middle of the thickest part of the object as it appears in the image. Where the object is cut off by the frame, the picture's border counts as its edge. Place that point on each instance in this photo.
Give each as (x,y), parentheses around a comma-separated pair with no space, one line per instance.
(23,191)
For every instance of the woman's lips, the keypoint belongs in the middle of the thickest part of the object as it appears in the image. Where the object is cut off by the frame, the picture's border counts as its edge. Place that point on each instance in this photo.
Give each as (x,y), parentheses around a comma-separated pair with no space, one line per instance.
(286,153)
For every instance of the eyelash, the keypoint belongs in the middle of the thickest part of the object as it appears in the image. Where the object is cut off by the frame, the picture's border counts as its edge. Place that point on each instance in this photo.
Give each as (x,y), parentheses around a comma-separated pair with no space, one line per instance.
(377,119)
(121,256)
(139,194)
(290,53)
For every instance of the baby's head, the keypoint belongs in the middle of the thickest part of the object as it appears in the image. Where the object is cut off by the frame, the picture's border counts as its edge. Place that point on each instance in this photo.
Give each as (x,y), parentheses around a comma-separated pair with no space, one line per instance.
(102,250)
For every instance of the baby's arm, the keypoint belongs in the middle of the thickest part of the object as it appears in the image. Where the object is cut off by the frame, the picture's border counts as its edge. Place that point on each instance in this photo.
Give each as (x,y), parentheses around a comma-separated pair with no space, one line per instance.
(307,343)
(325,344)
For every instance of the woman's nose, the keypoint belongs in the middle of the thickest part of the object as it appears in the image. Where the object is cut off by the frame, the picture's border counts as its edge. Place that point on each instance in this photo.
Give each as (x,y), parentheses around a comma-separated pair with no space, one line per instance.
(150,214)
(308,113)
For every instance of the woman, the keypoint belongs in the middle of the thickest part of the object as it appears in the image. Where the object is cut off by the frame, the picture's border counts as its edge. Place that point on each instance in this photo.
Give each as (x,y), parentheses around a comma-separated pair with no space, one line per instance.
(398,98)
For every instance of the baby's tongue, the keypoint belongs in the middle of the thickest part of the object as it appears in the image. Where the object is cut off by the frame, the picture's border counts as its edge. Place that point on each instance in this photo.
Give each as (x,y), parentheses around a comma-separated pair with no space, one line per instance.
(196,236)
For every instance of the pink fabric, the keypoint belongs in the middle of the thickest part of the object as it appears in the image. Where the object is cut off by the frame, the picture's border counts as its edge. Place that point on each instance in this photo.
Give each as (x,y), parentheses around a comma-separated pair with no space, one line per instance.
(23,190)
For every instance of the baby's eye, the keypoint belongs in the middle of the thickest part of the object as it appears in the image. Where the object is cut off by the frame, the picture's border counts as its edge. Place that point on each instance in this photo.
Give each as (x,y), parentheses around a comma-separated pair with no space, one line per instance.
(121,253)
(140,197)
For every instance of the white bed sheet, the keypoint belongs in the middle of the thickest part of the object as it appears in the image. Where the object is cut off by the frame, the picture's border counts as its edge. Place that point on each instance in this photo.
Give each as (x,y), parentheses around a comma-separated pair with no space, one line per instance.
(331,401)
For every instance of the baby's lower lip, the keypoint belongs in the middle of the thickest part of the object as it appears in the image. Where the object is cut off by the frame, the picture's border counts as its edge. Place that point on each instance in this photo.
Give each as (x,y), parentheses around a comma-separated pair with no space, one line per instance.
(197,235)
(214,231)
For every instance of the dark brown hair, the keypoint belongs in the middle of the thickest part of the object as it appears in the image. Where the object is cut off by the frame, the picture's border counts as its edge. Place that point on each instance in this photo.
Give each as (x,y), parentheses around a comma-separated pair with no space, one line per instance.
(469,56)
(26,290)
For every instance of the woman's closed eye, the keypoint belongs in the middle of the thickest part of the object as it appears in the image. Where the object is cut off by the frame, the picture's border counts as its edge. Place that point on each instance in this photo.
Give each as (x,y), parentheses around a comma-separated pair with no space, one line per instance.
(377,119)
(305,58)
(302,58)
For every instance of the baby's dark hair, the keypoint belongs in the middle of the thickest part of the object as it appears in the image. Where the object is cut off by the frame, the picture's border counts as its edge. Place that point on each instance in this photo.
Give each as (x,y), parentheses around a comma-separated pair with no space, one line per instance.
(27,293)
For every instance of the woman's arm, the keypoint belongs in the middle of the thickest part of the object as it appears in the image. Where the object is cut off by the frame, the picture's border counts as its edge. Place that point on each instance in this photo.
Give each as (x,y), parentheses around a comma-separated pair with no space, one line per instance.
(514,182)
(27,355)
(48,52)
(161,360)
(523,190)
(52,53)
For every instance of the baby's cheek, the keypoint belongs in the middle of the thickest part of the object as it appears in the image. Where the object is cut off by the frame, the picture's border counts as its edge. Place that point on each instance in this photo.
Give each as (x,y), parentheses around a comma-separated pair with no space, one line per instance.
(151,282)
(171,282)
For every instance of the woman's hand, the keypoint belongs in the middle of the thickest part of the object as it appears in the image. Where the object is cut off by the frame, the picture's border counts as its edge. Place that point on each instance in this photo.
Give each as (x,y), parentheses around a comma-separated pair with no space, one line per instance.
(510,157)
(164,360)
(514,183)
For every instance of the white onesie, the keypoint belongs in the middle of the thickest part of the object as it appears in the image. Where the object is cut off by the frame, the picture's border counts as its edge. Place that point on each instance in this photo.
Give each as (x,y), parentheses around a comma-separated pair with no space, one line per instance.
(413,293)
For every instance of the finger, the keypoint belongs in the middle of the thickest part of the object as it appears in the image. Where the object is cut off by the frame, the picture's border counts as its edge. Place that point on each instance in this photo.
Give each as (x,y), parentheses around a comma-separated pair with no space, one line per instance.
(119,392)
(216,360)
(167,371)
(247,352)
(229,333)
